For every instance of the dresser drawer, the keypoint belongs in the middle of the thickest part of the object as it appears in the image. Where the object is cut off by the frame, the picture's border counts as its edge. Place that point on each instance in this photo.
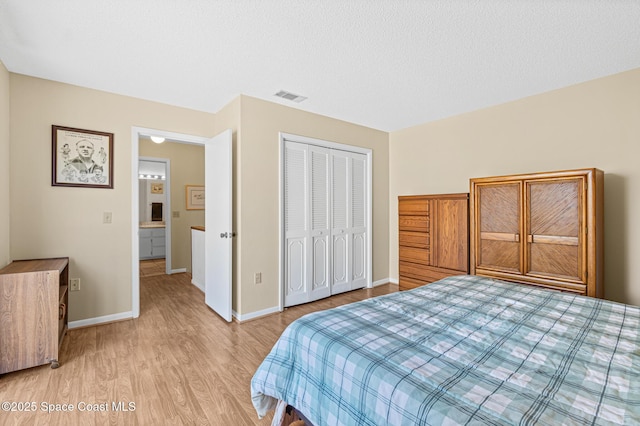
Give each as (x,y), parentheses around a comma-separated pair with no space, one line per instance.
(425,273)
(407,283)
(414,239)
(413,223)
(415,255)
(409,206)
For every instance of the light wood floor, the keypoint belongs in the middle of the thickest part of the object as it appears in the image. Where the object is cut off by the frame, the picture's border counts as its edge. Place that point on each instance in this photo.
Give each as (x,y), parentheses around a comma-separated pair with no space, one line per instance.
(152,267)
(178,363)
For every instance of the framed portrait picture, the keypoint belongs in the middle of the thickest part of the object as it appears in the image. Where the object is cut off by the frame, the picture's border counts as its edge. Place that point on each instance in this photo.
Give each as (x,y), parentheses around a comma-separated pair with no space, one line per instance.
(195,197)
(81,158)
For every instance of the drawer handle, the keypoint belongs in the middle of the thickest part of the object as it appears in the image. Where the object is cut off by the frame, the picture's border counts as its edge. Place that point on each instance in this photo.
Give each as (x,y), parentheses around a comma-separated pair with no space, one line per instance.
(62,310)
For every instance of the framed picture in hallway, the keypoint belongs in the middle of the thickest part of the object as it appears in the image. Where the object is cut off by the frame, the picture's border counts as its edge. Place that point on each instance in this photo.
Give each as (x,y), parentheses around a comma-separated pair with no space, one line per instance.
(81,158)
(195,197)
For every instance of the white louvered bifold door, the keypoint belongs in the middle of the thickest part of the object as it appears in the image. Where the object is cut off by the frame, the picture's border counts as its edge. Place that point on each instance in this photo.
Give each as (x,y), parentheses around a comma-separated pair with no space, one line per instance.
(325,208)
(296,223)
(306,187)
(349,218)
(340,223)
(358,231)
(319,250)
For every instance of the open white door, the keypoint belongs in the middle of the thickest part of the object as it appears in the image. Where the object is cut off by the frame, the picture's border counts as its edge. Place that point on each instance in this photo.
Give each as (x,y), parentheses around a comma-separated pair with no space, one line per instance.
(218,224)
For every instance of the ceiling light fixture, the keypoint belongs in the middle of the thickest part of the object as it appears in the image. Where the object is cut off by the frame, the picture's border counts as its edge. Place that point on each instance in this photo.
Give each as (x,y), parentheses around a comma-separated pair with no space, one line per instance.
(157,139)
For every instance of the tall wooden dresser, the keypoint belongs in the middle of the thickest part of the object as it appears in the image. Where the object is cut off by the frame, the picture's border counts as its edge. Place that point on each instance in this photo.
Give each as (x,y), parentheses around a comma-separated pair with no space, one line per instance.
(544,229)
(433,238)
(33,312)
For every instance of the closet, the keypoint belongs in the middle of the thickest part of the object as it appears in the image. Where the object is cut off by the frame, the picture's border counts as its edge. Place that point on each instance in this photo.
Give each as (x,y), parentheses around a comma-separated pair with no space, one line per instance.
(326,210)
(544,229)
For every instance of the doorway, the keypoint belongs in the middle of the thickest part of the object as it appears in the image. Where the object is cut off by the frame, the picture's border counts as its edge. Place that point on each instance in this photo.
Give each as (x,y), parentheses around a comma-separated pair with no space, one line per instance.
(154,206)
(136,134)
(218,159)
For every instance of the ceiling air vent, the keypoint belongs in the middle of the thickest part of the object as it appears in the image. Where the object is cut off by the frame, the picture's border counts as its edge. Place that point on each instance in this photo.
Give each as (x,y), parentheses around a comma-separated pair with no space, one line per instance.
(290,96)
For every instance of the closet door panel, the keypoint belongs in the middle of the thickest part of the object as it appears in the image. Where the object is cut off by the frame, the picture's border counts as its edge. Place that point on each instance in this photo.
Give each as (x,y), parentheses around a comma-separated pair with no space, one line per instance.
(296,267)
(358,221)
(340,223)
(340,267)
(296,223)
(319,197)
(359,259)
(320,270)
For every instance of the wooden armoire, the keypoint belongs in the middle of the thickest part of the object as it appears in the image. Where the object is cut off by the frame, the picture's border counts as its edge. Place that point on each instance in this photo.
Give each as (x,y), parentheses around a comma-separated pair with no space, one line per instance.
(433,238)
(544,229)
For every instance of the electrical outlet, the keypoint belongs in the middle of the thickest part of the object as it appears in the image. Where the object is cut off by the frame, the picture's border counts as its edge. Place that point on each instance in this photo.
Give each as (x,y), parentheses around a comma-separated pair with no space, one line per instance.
(176,214)
(106,217)
(257,279)
(74,284)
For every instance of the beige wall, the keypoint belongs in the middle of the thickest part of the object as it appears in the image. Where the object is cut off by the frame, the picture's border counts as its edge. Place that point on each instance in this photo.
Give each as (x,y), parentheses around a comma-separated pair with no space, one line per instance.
(4,165)
(589,125)
(594,124)
(51,221)
(258,203)
(187,168)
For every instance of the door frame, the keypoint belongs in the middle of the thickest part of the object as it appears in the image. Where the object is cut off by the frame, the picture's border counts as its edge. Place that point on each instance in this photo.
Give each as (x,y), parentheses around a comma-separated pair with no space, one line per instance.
(283,137)
(136,133)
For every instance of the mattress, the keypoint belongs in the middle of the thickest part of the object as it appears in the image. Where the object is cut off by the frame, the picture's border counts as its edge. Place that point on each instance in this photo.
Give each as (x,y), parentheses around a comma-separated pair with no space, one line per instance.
(463,350)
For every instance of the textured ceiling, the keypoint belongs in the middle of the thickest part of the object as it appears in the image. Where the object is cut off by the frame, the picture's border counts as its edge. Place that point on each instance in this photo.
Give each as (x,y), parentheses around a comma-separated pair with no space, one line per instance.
(383,64)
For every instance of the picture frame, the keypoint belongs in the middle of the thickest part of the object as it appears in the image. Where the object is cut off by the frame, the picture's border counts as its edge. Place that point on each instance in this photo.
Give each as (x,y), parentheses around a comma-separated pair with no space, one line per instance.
(81,158)
(194,197)
(157,188)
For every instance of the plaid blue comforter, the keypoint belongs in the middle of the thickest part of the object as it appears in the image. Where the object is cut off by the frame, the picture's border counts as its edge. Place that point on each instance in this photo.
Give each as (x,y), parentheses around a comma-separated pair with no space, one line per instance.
(463,350)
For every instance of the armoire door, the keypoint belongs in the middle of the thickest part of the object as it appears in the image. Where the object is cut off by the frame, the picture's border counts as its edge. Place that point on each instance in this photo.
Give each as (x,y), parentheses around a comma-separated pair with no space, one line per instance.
(498,227)
(555,229)
(451,234)
(560,218)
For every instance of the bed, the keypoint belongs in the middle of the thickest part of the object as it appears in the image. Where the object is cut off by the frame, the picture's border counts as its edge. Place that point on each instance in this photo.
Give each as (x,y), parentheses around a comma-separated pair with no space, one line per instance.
(462,350)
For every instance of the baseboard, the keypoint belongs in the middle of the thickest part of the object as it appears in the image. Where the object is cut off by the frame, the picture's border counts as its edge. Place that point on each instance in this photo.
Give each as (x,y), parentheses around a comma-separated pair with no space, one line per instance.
(197,284)
(394,281)
(275,309)
(101,320)
(383,281)
(178,271)
(254,315)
